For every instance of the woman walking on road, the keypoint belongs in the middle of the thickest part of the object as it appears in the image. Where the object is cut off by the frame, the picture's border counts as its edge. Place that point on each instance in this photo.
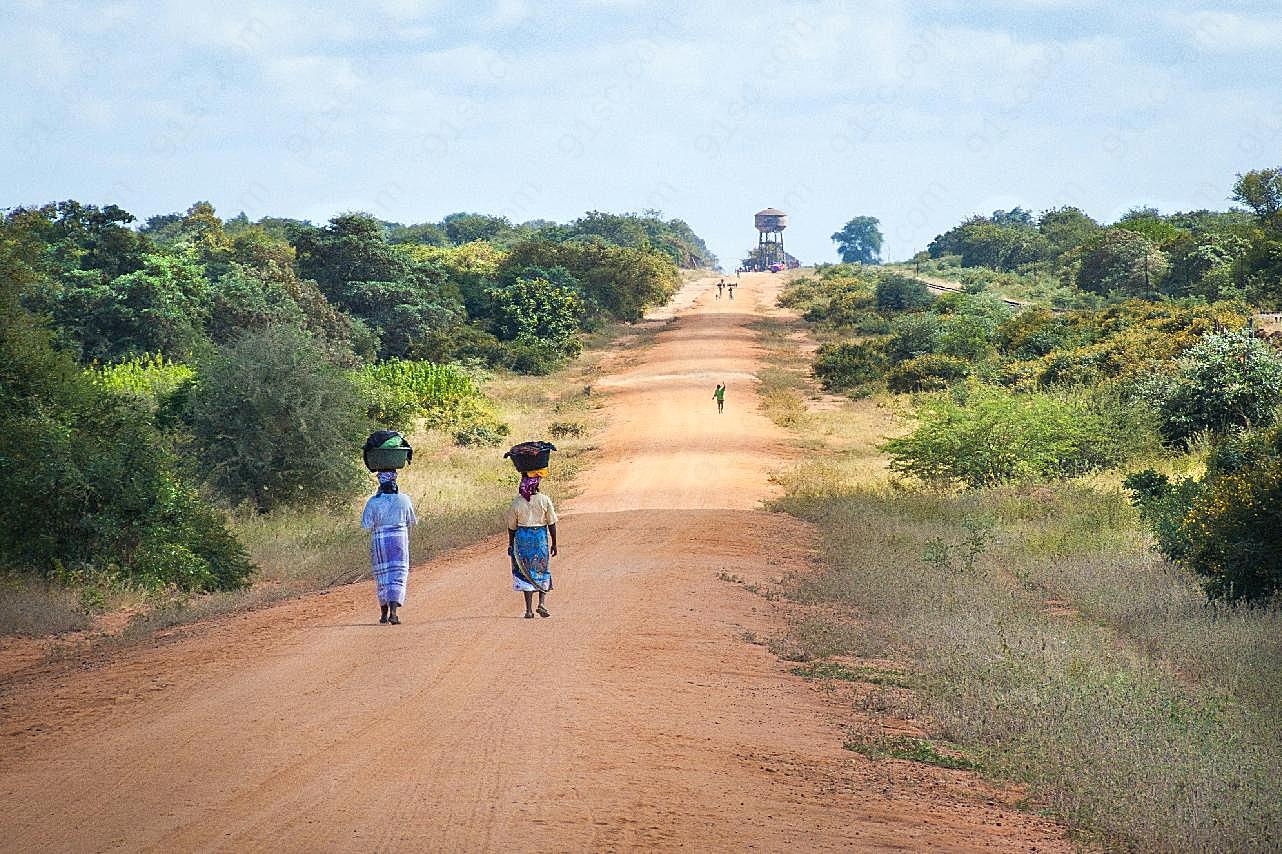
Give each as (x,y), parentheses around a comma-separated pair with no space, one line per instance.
(388,515)
(531,542)
(719,394)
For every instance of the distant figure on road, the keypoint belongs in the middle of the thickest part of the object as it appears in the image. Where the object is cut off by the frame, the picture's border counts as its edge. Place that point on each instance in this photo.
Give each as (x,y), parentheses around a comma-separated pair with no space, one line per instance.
(720,396)
(720,286)
(731,286)
(388,515)
(531,542)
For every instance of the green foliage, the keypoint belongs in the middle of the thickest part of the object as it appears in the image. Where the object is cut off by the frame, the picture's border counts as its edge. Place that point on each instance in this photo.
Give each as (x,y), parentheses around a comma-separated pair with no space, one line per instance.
(616,282)
(398,392)
(928,372)
(1227,381)
(849,365)
(896,292)
(1227,526)
(151,377)
(87,482)
(989,435)
(1261,191)
(673,238)
(275,423)
(859,241)
(1121,261)
(538,311)
(1065,229)
(468,227)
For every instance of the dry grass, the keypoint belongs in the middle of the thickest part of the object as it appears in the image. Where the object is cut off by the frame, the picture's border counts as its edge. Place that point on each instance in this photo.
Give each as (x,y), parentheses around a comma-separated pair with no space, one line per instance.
(34,608)
(1090,672)
(1045,639)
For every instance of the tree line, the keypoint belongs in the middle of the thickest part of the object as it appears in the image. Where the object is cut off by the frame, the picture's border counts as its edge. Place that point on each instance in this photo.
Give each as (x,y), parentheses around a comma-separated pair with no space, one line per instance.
(154,375)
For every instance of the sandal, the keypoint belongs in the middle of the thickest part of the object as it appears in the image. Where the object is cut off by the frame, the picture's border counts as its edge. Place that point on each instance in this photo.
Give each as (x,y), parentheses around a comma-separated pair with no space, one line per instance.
(394,620)
(529,615)
(542,612)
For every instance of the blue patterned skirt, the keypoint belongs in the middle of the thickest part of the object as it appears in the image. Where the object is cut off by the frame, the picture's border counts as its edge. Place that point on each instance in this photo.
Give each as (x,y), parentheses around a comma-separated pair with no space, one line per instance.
(389,553)
(530,558)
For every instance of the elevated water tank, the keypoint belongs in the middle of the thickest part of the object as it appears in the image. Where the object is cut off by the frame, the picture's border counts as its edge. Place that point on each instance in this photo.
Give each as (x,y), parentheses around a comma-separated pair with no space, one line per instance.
(771,219)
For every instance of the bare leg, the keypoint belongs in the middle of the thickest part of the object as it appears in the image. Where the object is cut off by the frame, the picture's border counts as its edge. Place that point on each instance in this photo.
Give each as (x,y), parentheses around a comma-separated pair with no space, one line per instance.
(529,602)
(542,609)
(391,614)
(382,613)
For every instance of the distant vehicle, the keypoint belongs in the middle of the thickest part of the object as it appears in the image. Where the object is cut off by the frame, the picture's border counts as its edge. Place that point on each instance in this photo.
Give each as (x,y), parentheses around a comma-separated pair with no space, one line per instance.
(776,267)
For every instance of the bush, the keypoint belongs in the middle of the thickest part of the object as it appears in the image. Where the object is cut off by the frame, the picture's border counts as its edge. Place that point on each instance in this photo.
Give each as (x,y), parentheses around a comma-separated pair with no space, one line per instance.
(274,423)
(914,335)
(896,292)
(989,435)
(1226,527)
(1225,382)
(87,484)
(849,365)
(931,372)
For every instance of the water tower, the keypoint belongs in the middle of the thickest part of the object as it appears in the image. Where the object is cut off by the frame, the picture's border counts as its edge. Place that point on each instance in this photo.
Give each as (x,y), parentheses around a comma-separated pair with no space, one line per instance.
(770,225)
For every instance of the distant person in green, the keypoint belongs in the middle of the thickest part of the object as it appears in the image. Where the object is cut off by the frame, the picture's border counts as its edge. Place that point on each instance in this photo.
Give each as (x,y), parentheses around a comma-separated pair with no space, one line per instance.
(720,396)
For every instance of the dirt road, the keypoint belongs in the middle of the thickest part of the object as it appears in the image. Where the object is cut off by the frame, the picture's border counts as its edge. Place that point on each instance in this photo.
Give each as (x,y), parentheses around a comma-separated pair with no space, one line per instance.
(636,717)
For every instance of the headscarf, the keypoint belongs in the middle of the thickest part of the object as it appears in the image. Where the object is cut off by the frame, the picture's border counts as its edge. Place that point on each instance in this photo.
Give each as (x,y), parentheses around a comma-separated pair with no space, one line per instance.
(529,486)
(387,482)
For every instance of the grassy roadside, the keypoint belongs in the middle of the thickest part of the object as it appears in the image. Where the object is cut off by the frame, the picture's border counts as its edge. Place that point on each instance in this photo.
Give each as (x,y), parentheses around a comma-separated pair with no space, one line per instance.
(1035,637)
(458,491)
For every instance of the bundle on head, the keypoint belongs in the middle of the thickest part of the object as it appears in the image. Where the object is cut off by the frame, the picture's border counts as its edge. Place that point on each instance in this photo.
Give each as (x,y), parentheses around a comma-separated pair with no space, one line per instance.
(530,456)
(386,450)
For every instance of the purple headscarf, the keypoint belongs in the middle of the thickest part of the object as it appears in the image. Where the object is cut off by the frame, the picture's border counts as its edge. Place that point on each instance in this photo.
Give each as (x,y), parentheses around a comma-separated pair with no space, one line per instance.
(387,482)
(529,486)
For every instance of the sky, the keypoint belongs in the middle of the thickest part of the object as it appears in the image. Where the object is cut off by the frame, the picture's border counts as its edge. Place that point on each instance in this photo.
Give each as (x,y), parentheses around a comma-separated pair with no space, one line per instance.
(917,113)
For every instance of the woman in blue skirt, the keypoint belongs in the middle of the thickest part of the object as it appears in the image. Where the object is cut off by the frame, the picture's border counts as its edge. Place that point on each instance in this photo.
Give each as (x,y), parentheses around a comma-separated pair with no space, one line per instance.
(388,516)
(531,541)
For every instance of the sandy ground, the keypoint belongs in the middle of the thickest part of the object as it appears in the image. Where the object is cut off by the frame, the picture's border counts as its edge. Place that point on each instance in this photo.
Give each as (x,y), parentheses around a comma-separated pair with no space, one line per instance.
(637,717)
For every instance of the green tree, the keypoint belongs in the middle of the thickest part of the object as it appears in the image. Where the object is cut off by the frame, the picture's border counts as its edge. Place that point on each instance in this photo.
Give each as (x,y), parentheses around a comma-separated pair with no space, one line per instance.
(85,480)
(1227,381)
(275,423)
(859,241)
(1065,229)
(466,227)
(1121,261)
(1261,191)
(535,309)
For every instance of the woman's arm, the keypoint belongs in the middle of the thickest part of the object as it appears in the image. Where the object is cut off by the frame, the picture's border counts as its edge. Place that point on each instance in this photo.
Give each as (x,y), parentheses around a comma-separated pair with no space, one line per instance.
(552,533)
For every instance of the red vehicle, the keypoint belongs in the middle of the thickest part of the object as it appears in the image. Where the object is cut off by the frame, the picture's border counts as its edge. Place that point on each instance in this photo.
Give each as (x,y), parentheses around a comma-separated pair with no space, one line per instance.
(776,267)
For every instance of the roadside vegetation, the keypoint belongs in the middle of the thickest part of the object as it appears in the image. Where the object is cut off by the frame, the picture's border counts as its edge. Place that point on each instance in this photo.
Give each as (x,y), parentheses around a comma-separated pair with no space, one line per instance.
(182,403)
(1066,541)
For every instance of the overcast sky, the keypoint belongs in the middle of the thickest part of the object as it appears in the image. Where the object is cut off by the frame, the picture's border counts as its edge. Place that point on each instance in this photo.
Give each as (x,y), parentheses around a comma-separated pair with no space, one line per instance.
(916,113)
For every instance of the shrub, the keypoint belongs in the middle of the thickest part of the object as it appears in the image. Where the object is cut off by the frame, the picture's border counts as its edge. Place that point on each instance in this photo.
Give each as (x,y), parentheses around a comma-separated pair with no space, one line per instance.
(931,372)
(1227,527)
(896,292)
(988,435)
(274,423)
(86,481)
(1227,381)
(849,365)
(913,335)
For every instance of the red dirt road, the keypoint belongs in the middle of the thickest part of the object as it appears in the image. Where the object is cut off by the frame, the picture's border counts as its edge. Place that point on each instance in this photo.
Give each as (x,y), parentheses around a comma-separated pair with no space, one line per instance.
(636,717)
